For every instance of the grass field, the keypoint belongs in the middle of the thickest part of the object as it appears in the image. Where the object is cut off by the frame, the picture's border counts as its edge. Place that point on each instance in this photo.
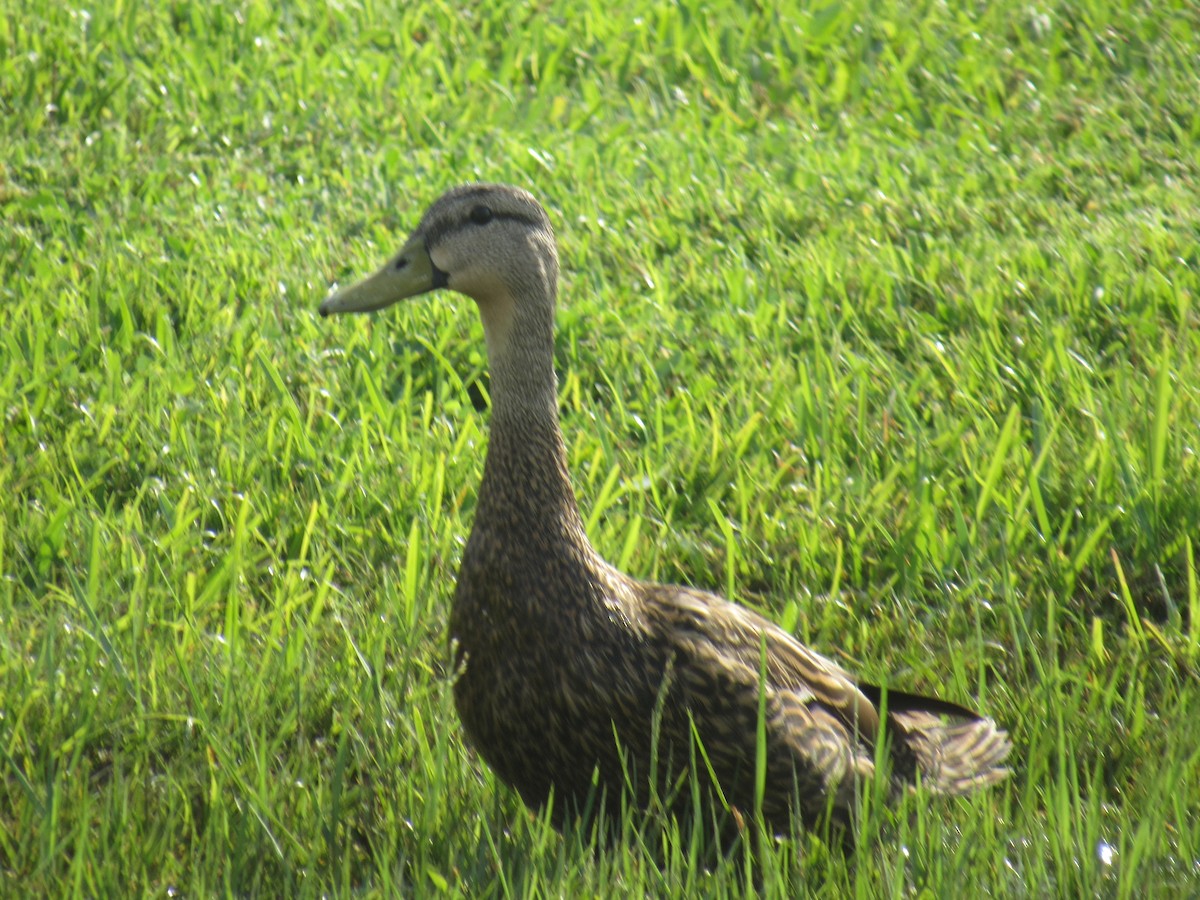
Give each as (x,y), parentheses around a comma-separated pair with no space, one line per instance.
(880,318)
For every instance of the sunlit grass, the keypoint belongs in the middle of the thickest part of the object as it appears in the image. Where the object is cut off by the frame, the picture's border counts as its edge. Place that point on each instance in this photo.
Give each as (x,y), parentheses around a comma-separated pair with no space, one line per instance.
(879,318)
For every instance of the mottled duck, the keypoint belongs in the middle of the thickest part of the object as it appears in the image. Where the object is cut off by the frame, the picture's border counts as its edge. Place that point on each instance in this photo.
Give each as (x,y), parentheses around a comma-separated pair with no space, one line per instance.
(577,681)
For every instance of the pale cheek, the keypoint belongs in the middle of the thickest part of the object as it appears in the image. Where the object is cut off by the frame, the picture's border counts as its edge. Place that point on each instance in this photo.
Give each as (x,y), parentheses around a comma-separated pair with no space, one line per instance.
(480,285)
(474,281)
(439,258)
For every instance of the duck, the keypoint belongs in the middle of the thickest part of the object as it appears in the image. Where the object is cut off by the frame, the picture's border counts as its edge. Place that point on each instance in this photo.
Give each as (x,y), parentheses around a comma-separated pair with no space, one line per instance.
(586,689)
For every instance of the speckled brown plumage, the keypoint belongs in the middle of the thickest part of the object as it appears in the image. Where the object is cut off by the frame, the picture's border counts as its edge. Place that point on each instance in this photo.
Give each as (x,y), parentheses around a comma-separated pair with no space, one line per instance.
(575,676)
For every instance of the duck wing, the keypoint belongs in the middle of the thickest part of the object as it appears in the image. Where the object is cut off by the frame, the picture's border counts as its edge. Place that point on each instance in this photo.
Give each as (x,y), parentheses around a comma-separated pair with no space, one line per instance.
(828,721)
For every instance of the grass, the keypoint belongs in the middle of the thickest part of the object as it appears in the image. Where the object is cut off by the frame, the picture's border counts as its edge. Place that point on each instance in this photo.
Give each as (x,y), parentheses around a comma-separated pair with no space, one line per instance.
(879,317)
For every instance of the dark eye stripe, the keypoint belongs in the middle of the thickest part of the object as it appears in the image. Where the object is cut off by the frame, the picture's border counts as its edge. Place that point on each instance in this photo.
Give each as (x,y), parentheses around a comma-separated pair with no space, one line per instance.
(438,230)
(505,216)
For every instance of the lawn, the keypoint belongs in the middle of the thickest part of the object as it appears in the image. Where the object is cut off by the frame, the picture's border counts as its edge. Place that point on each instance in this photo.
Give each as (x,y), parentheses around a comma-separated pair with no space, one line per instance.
(879,318)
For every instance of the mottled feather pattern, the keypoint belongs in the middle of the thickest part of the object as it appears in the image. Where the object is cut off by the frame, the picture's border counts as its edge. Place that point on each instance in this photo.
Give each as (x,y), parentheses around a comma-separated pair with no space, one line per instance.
(572,675)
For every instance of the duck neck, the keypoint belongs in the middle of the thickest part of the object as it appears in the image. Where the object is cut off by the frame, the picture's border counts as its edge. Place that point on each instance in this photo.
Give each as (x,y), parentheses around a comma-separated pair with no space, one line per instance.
(526,488)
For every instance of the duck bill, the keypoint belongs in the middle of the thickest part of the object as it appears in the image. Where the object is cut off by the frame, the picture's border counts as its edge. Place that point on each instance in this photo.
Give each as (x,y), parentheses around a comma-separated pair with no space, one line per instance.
(409,273)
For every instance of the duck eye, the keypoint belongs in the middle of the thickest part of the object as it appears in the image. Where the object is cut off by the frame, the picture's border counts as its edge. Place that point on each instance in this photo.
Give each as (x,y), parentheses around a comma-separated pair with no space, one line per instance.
(481,214)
